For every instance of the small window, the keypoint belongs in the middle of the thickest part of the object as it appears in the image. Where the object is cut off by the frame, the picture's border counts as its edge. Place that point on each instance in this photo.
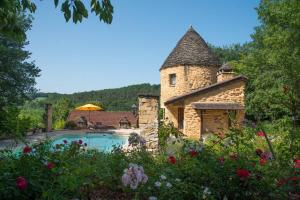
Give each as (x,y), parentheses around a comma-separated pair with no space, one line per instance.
(172,78)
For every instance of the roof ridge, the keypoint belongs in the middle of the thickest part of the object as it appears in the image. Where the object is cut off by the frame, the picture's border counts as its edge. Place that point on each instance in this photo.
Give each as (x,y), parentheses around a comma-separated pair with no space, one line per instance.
(176,98)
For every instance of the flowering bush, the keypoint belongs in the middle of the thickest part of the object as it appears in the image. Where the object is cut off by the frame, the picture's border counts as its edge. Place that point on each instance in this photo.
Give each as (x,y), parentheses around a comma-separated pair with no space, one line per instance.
(133,176)
(238,165)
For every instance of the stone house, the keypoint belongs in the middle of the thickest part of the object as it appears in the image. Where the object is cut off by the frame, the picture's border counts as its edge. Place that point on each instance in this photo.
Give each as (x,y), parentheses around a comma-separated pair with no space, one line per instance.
(198,94)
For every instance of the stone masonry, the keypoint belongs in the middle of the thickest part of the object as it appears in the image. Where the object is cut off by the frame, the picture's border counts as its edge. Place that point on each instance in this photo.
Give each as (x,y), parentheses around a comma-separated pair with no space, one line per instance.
(148,119)
(188,78)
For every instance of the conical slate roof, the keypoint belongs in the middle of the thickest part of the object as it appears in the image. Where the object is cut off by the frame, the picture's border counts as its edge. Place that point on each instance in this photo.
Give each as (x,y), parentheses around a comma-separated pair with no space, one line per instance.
(225,67)
(191,50)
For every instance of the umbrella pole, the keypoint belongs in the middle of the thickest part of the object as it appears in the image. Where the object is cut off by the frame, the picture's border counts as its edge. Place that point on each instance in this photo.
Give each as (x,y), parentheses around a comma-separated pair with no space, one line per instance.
(89,116)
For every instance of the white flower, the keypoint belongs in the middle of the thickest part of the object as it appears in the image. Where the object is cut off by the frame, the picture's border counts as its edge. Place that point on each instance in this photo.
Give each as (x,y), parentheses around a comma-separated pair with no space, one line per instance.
(152,198)
(177,180)
(168,184)
(157,184)
(162,177)
(206,191)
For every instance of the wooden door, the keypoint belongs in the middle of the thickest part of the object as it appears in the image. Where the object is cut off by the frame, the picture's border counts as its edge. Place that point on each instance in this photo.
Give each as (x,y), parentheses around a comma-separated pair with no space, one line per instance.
(180,118)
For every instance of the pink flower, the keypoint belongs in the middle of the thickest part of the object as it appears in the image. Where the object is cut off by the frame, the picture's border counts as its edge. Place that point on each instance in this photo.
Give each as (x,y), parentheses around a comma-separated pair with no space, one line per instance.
(21,183)
(222,160)
(266,155)
(242,174)
(193,153)
(172,160)
(260,134)
(50,165)
(27,149)
(80,142)
(133,176)
(65,141)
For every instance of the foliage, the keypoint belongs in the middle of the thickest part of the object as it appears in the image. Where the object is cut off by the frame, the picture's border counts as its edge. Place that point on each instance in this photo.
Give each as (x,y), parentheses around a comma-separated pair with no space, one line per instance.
(11,125)
(273,63)
(10,11)
(118,99)
(165,132)
(71,125)
(229,53)
(17,80)
(231,167)
(34,111)
(61,109)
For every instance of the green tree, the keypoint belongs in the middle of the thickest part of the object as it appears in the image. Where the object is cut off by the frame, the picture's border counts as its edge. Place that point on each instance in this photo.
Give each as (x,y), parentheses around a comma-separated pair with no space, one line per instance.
(273,65)
(229,53)
(273,62)
(61,109)
(17,77)
(12,26)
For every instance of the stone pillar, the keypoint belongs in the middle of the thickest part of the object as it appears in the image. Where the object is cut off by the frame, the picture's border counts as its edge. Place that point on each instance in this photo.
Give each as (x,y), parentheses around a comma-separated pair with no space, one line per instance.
(148,119)
(48,117)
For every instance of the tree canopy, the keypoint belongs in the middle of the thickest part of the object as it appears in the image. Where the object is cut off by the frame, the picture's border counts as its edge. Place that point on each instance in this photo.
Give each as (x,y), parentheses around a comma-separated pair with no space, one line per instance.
(11,26)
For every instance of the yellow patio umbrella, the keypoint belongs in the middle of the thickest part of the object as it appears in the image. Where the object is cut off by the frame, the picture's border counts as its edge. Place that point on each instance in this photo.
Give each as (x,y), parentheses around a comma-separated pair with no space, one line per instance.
(88,107)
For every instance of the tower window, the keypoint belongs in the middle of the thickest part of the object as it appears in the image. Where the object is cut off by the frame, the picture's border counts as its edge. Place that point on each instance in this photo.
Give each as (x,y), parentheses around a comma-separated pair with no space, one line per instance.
(172,79)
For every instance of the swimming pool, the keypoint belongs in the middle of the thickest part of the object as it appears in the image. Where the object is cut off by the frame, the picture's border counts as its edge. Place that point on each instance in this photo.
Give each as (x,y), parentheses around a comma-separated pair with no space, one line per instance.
(99,141)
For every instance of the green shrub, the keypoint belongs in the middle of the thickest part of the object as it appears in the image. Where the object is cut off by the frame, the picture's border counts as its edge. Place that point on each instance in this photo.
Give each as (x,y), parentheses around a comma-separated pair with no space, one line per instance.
(71,125)
(59,124)
(237,165)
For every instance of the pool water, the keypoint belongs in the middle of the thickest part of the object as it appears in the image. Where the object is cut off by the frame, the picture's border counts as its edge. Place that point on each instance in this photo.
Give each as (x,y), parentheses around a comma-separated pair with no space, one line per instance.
(101,142)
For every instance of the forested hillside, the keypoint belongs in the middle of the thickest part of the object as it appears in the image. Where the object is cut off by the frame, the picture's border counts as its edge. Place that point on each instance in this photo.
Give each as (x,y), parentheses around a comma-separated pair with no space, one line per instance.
(118,99)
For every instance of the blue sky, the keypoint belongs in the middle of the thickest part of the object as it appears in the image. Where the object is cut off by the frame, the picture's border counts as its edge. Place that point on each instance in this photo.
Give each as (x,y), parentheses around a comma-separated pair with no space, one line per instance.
(93,55)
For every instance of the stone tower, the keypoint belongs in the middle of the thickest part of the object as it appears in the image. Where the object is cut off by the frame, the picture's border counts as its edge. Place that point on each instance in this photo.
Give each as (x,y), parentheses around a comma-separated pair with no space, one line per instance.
(190,66)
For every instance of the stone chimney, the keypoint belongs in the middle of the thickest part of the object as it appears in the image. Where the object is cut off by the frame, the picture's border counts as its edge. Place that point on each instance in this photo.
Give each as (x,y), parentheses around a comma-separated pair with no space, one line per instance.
(148,119)
(48,117)
(225,73)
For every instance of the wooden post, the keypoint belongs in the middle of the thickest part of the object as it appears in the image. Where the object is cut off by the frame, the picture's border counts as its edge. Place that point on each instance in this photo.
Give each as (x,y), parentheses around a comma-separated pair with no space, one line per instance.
(48,117)
(201,125)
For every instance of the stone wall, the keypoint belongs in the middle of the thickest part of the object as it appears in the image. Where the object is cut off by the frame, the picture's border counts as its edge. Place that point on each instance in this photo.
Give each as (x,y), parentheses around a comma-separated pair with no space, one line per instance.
(233,93)
(222,76)
(148,120)
(188,78)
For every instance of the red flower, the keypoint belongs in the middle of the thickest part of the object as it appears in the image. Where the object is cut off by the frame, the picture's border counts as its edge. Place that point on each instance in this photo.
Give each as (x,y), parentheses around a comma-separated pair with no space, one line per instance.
(222,160)
(172,160)
(27,149)
(260,134)
(294,181)
(233,156)
(285,89)
(262,161)
(50,165)
(80,142)
(297,163)
(243,173)
(21,183)
(65,141)
(281,182)
(258,152)
(193,153)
